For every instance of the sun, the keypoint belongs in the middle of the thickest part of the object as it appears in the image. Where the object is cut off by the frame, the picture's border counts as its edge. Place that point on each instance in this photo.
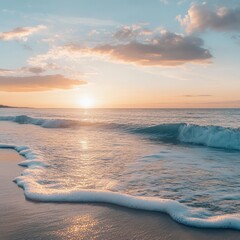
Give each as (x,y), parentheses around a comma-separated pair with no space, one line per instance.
(86,102)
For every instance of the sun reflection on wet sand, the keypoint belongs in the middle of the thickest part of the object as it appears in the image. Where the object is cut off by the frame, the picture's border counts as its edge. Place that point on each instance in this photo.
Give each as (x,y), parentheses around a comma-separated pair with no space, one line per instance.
(79,227)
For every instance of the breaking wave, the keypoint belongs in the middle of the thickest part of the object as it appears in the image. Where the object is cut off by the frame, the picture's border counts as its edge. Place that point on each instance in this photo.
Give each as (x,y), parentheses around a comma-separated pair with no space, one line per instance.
(43,122)
(211,136)
(181,213)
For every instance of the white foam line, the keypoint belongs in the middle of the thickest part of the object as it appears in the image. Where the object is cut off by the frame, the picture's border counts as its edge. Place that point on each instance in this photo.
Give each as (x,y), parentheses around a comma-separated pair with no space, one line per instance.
(189,216)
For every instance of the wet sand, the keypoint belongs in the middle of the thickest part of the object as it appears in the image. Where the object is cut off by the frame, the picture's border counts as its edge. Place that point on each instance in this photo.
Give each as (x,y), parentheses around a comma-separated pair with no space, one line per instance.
(23,219)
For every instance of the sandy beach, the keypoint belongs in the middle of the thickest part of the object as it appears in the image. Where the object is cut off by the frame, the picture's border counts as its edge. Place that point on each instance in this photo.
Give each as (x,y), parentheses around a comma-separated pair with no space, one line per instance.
(23,219)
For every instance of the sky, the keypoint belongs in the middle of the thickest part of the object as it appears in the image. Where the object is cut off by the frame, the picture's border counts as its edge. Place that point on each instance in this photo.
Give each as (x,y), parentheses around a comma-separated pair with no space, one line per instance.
(120,54)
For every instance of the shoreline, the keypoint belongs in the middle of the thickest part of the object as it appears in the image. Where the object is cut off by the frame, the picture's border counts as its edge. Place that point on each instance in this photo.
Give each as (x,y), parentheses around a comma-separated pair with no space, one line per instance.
(23,219)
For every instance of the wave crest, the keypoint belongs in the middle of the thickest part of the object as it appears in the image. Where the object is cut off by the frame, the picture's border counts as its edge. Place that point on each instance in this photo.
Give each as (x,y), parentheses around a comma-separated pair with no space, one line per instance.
(43,122)
(210,136)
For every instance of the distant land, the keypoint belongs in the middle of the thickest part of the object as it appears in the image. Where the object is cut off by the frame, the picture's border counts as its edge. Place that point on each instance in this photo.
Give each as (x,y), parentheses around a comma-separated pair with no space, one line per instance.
(4,106)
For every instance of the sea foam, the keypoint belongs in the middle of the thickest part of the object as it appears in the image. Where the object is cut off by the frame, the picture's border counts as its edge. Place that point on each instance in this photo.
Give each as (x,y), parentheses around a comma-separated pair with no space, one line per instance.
(33,190)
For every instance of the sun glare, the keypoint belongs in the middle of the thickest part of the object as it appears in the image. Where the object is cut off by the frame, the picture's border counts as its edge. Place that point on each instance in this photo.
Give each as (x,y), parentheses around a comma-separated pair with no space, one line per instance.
(86,102)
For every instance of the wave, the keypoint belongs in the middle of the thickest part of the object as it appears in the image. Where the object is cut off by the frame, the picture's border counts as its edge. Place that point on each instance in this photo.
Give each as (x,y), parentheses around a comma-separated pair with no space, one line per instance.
(44,122)
(181,213)
(210,136)
(165,132)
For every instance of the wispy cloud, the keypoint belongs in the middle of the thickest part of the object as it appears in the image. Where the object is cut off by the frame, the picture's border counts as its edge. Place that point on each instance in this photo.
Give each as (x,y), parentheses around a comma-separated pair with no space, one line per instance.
(202,17)
(131,32)
(35,70)
(6,72)
(197,95)
(47,60)
(22,70)
(164,1)
(37,83)
(21,33)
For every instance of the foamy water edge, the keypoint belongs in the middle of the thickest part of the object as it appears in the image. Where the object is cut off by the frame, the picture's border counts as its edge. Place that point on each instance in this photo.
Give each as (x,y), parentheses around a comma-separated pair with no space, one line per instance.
(177,211)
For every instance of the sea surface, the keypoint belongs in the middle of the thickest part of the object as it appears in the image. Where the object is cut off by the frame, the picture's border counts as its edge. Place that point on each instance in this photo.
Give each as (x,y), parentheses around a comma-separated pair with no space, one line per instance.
(185,162)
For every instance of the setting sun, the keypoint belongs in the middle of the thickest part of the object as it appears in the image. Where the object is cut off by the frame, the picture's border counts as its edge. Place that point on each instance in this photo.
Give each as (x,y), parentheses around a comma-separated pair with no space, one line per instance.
(86,102)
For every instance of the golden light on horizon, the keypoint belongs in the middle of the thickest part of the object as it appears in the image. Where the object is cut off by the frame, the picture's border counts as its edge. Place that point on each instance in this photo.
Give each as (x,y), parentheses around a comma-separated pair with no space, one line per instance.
(86,102)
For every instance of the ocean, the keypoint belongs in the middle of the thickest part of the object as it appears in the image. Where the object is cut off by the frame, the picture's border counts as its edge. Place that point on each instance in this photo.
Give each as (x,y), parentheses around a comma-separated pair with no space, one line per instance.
(184,162)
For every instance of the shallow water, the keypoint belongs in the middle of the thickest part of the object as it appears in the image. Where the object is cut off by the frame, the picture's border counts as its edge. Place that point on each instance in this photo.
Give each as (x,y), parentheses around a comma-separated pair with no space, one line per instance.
(166,154)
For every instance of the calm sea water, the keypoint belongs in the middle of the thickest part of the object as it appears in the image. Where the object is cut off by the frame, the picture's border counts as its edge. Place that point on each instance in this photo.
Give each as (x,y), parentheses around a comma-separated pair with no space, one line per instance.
(191,156)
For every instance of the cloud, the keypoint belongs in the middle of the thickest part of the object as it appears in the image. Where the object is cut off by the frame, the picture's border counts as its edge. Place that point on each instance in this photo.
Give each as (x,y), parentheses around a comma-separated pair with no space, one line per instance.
(164,2)
(203,17)
(93,32)
(131,32)
(160,48)
(197,95)
(22,70)
(37,83)
(35,70)
(58,57)
(168,49)
(6,71)
(20,33)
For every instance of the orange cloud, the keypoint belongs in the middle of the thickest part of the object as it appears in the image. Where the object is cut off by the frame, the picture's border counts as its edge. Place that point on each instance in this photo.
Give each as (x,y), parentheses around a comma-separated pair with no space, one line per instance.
(20,33)
(202,17)
(37,83)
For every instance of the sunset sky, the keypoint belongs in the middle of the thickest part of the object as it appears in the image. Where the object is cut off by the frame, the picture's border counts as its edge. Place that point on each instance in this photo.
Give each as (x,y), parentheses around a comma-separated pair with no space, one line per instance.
(112,53)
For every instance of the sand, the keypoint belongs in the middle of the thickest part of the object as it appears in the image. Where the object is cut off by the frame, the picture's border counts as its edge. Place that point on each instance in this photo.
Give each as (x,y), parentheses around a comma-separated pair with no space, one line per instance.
(23,219)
